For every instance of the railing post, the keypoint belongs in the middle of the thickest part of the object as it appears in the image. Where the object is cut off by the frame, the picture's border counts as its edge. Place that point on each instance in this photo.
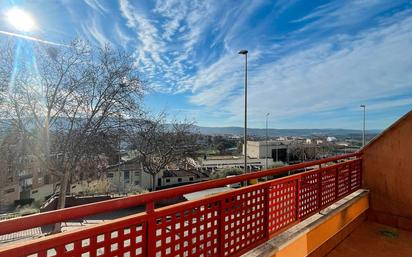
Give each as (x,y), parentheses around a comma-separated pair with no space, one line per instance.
(350,168)
(336,183)
(151,230)
(361,172)
(221,235)
(319,190)
(297,197)
(267,212)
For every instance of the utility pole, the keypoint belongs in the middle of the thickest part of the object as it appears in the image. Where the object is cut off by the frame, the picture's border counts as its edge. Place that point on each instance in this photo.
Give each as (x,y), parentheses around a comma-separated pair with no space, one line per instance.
(245,52)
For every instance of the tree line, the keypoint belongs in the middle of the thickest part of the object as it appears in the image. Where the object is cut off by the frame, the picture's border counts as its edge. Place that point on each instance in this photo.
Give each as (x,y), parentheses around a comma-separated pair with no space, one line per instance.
(67,104)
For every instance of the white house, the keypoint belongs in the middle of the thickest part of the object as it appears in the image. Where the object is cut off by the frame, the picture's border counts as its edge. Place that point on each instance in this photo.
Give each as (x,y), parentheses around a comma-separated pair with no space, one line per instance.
(331,139)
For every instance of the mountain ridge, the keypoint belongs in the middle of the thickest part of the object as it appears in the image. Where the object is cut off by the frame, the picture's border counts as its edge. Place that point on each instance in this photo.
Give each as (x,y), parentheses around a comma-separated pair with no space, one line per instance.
(280,132)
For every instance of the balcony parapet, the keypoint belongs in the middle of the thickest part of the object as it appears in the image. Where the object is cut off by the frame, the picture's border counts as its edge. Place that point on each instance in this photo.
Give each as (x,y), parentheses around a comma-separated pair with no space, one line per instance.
(315,235)
(224,224)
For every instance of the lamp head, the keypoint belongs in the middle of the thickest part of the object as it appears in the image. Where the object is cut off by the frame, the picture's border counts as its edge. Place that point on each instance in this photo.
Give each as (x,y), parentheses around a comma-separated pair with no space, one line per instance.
(363,106)
(243,52)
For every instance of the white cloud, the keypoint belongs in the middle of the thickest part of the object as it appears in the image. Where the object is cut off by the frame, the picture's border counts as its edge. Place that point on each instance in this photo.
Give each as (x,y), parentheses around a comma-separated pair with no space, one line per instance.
(387,104)
(166,38)
(92,30)
(97,5)
(121,37)
(344,13)
(214,84)
(335,73)
(148,52)
(175,12)
(282,5)
(232,25)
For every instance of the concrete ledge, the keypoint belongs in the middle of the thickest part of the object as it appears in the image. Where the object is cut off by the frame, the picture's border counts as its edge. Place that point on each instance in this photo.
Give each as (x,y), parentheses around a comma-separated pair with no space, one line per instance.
(335,240)
(307,236)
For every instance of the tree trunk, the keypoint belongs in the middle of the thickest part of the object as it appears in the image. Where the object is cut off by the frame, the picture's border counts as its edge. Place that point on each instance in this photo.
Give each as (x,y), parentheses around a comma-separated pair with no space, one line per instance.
(153,182)
(61,203)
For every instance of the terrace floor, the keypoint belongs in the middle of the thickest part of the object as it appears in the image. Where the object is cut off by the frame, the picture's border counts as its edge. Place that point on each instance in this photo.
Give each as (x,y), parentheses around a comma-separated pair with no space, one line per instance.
(372,239)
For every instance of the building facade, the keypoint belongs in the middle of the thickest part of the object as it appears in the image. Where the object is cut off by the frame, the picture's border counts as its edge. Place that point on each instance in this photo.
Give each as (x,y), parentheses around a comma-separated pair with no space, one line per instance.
(129,176)
(212,163)
(275,150)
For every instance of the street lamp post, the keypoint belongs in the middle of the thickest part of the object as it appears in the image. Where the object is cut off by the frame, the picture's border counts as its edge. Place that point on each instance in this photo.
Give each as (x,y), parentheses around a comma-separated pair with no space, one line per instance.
(244,52)
(267,140)
(364,117)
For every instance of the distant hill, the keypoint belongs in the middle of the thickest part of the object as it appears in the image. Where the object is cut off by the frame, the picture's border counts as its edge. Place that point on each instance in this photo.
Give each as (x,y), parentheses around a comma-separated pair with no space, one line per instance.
(254,131)
(281,132)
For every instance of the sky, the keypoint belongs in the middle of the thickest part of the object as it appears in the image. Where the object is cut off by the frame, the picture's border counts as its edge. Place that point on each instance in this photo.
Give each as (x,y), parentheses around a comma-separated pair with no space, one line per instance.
(311,64)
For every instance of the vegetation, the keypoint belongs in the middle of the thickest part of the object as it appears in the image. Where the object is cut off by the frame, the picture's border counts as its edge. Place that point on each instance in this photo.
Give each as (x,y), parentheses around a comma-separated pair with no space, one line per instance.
(300,152)
(226,172)
(65,103)
(160,145)
(20,211)
(67,111)
(274,166)
(277,165)
(222,144)
(100,186)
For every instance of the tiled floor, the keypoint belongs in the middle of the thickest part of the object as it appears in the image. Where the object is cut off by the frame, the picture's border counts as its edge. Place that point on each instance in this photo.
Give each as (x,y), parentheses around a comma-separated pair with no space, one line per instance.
(375,240)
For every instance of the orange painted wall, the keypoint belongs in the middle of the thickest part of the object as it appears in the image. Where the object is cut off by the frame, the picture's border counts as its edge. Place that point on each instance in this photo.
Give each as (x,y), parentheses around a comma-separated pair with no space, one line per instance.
(315,237)
(387,172)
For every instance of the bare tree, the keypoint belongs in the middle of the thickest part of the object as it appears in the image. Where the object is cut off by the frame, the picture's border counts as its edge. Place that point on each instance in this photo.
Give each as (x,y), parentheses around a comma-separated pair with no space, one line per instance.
(159,145)
(66,99)
(298,152)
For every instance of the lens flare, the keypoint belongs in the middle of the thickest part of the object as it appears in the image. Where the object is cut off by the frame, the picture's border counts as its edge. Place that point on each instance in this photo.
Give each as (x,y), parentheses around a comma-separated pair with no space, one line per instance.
(20,19)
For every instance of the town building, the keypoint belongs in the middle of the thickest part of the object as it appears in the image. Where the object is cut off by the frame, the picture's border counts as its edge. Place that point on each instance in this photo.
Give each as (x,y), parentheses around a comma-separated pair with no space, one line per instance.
(331,139)
(212,163)
(24,181)
(275,150)
(129,176)
(179,177)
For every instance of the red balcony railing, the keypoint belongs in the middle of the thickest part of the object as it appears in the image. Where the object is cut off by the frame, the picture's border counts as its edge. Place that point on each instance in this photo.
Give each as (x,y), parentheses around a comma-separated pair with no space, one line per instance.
(224,224)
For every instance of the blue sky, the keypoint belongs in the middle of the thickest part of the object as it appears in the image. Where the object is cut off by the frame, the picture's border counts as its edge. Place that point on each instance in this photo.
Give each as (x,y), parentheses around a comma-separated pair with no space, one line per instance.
(311,63)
